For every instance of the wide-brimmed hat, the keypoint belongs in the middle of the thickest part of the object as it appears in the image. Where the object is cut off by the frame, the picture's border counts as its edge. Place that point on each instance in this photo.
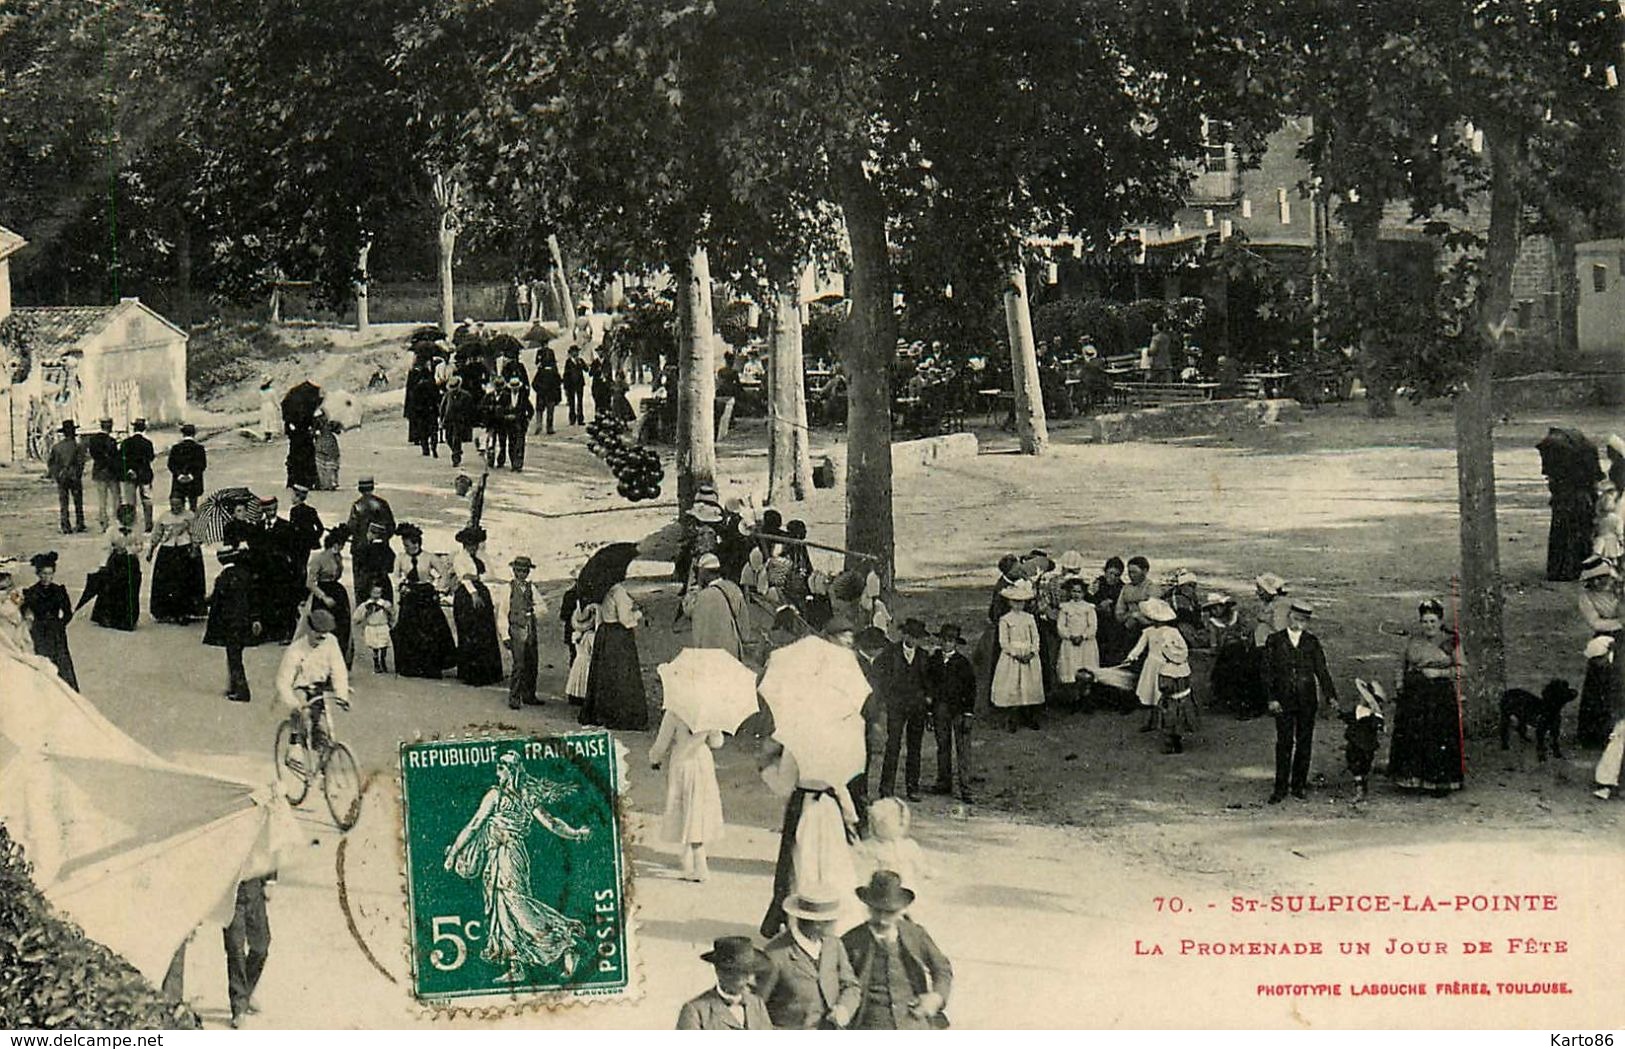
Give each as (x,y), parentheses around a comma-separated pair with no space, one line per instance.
(885,892)
(950,632)
(1270,583)
(1216,599)
(1303,608)
(1181,576)
(914,628)
(471,534)
(365,482)
(1596,568)
(815,903)
(706,513)
(1157,610)
(521,562)
(735,952)
(1071,561)
(711,561)
(1020,590)
(299,489)
(1599,646)
(45,560)
(321,619)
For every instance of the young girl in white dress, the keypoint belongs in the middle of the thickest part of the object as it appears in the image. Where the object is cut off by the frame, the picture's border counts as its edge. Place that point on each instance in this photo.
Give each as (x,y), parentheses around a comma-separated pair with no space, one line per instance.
(693,816)
(376,617)
(1078,623)
(583,628)
(1018,679)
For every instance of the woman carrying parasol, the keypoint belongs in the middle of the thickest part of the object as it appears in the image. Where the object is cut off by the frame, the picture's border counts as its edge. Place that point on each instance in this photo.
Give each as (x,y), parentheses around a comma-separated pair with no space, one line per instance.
(615,695)
(521,931)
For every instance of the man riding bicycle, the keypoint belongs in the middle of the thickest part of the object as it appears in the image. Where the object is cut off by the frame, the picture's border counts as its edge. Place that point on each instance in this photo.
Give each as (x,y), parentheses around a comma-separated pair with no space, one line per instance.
(313,667)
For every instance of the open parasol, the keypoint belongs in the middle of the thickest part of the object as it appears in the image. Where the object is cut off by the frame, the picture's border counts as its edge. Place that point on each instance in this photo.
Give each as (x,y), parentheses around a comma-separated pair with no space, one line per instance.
(605,568)
(708,689)
(218,508)
(816,691)
(300,403)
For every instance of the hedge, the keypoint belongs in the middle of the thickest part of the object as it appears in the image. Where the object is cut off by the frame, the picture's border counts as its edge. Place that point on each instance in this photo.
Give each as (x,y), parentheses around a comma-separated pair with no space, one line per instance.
(53,976)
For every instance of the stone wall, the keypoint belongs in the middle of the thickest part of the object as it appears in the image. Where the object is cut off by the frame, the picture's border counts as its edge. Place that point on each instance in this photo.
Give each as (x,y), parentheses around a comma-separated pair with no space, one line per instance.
(1532,392)
(1185,420)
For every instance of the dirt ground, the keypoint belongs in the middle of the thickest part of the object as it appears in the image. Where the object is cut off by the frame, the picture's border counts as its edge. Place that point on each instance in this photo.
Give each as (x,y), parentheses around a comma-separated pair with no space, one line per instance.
(1081,818)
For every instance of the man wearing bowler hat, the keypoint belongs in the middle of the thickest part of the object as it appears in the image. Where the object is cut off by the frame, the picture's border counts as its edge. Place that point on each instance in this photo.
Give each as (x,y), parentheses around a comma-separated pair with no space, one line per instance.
(1294,664)
(136,456)
(952,685)
(102,448)
(901,674)
(731,1005)
(65,464)
(520,607)
(904,975)
(809,984)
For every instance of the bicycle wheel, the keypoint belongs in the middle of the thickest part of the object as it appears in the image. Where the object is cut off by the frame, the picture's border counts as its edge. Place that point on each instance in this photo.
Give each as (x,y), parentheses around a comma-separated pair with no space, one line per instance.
(292,764)
(341,786)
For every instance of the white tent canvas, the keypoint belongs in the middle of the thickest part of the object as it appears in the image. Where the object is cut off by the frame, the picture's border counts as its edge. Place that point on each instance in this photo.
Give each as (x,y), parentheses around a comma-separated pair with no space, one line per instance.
(77,793)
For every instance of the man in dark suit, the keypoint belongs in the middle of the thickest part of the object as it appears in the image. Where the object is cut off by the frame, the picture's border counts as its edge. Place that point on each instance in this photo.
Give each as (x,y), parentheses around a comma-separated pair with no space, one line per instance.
(809,983)
(575,381)
(952,685)
(187,461)
(234,617)
(105,474)
(307,531)
(65,464)
(900,675)
(136,455)
(1294,664)
(732,1005)
(905,977)
(274,546)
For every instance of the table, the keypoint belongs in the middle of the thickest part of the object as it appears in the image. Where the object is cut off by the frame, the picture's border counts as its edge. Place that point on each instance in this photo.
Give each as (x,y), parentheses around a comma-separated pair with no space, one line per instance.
(1269,383)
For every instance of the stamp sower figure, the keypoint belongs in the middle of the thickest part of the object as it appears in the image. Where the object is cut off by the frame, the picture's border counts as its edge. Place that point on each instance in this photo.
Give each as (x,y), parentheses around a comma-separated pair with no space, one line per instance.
(521,931)
(1294,664)
(904,975)
(811,984)
(65,464)
(732,1005)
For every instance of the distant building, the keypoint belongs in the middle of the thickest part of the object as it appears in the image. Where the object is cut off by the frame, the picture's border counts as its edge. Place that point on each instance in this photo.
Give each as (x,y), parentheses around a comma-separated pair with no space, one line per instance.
(1600,311)
(87,363)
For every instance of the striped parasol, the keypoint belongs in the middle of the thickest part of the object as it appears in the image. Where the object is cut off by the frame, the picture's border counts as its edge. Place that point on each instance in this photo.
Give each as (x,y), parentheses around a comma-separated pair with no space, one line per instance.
(220,507)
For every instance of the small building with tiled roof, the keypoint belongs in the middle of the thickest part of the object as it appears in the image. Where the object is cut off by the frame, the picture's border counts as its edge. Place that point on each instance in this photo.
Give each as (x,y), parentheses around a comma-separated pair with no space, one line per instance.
(120,362)
(10,244)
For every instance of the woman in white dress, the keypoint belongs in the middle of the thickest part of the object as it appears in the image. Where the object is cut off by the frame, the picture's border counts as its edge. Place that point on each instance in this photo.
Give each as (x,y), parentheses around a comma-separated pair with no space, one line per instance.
(270,423)
(1018,679)
(1078,624)
(583,630)
(693,816)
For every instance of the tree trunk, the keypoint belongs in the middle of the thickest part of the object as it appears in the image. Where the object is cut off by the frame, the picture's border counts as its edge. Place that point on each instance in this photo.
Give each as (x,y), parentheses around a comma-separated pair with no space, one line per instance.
(567,305)
(1483,644)
(789,461)
(361,318)
(1568,301)
(1031,426)
(183,275)
(868,339)
(696,378)
(1376,360)
(448,244)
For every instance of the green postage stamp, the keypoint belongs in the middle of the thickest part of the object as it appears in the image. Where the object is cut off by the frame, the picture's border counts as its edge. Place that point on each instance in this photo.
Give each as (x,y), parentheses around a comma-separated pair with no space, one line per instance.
(514,867)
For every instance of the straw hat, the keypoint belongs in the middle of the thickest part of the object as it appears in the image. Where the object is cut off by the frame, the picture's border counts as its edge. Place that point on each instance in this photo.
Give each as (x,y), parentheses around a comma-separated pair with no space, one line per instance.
(1271,584)
(1157,610)
(1020,590)
(1071,561)
(814,903)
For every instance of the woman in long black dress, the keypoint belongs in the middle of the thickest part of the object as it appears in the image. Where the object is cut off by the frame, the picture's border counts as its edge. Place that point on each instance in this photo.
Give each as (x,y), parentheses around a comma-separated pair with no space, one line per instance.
(48,608)
(479,656)
(324,579)
(178,594)
(423,643)
(1426,750)
(118,581)
(549,387)
(615,694)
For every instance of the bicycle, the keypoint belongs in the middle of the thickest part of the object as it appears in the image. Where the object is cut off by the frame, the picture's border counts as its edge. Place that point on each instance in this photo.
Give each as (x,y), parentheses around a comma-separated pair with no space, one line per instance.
(334,764)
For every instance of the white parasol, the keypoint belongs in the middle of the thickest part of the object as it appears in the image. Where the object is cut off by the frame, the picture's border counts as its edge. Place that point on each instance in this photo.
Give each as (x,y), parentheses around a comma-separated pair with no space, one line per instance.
(709,689)
(816,690)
